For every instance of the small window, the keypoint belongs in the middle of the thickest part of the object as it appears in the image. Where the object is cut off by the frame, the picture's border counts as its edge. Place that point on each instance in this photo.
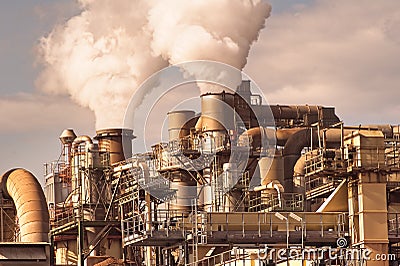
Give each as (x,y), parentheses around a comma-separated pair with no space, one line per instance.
(255,100)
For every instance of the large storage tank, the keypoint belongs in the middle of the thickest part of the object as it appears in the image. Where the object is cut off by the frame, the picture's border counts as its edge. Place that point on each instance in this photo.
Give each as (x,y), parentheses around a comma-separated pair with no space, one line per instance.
(179,123)
(116,141)
(217,112)
(186,192)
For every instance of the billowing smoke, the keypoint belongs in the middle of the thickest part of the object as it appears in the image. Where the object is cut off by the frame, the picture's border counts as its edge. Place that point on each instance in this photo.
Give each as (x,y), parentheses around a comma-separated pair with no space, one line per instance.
(101,56)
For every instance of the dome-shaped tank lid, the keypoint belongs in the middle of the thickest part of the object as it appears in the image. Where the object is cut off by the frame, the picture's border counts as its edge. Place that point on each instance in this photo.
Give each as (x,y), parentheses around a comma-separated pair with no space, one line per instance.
(67,136)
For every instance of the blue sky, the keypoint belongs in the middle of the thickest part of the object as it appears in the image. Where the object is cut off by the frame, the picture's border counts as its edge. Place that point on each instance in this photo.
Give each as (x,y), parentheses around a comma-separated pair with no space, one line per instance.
(336,53)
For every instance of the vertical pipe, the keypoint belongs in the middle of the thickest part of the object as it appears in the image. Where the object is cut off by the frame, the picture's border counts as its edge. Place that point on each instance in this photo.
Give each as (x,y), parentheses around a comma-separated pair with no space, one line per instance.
(147,226)
(51,249)
(287,241)
(2,217)
(292,152)
(81,255)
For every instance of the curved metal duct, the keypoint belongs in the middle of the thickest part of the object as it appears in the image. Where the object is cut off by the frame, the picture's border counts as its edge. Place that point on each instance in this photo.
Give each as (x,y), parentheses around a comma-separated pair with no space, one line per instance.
(292,152)
(258,133)
(23,188)
(302,138)
(260,137)
(293,140)
(299,167)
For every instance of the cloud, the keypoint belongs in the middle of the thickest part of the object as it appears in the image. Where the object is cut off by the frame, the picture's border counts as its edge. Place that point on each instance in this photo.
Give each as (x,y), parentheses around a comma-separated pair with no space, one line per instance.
(55,12)
(102,55)
(336,53)
(31,125)
(35,112)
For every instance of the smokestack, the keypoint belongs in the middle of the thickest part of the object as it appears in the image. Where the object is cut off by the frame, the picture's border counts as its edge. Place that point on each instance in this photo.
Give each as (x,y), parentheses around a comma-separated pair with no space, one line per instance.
(116,141)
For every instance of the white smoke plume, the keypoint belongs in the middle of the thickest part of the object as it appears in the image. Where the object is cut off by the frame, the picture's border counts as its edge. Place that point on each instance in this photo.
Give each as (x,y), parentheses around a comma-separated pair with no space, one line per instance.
(101,56)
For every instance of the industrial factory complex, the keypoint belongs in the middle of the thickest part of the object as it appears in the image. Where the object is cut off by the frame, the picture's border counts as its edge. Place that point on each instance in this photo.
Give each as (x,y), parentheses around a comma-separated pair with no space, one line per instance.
(240,183)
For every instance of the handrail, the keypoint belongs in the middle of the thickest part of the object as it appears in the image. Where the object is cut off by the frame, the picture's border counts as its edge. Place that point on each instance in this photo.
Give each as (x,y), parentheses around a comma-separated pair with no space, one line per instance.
(139,225)
(227,257)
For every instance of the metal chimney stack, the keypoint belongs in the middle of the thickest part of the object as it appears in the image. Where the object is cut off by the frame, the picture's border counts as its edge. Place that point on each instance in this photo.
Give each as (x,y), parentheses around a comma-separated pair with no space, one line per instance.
(116,141)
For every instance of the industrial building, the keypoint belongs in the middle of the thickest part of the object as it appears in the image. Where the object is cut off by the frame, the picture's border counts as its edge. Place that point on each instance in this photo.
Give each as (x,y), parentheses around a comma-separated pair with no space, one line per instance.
(233,185)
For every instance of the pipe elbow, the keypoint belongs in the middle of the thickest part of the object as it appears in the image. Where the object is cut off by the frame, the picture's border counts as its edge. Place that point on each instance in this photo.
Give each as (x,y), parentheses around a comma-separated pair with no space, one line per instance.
(24,190)
(297,141)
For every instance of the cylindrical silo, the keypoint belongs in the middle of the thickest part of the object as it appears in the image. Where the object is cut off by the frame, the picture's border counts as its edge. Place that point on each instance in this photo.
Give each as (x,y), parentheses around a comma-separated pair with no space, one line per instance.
(186,192)
(116,141)
(179,123)
(217,112)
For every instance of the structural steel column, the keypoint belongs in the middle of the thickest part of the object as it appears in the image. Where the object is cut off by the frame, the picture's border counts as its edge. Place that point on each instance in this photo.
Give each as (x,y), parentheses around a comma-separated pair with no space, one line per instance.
(372,204)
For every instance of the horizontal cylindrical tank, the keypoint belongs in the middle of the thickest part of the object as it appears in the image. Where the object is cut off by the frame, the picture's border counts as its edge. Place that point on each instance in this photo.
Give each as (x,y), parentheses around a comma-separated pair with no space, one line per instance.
(179,123)
(116,141)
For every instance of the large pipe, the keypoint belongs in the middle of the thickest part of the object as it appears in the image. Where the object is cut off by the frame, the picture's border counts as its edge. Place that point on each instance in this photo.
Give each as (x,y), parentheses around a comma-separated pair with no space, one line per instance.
(306,137)
(332,135)
(295,140)
(292,152)
(308,113)
(332,138)
(25,191)
(294,111)
(260,135)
